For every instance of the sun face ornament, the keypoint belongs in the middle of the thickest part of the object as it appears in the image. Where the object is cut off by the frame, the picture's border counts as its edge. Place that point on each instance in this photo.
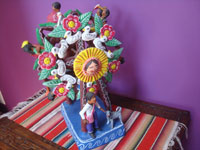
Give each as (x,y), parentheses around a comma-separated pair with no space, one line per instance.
(90,65)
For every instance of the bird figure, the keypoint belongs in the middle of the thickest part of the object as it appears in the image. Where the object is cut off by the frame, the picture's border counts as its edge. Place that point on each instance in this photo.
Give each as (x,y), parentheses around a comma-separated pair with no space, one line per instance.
(61,70)
(71,39)
(87,36)
(55,50)
(98,42)
(63,49)
(102,12)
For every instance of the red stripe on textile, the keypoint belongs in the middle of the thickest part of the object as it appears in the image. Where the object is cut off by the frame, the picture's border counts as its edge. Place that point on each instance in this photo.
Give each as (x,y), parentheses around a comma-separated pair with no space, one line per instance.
(32,111)
(65,139)
(129,133)
(152,134)
(49,128)
(56,131)
(44,114)
(74,147)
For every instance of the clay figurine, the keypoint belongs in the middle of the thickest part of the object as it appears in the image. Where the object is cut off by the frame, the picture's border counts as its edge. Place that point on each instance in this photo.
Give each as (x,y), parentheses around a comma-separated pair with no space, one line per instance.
(90,119)
(112,115)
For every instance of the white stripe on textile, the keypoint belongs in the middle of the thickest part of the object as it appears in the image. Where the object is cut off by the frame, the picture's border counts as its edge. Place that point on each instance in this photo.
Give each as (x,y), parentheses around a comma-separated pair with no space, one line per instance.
(45,119)
(127,126)
(22,107)
(170,137)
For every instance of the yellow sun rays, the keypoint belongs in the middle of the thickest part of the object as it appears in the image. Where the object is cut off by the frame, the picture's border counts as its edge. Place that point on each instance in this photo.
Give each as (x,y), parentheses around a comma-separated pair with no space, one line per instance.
(82,59)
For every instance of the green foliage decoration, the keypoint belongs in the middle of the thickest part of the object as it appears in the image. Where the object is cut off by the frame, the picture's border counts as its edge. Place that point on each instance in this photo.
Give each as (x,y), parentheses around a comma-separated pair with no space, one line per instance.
(113,42)
(71,94)
(52,83)
(98,23)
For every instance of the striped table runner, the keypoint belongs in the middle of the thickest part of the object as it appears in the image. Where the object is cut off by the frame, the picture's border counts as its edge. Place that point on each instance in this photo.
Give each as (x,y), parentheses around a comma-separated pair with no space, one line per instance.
(143,131)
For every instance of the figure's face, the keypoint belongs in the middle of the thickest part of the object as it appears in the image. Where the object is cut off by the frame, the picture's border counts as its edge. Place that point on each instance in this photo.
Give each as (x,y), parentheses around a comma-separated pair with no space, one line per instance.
(93,100)
(92,69)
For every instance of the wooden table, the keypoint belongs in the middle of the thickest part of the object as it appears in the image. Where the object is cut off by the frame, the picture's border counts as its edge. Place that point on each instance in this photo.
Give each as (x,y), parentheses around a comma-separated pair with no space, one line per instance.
(15,137)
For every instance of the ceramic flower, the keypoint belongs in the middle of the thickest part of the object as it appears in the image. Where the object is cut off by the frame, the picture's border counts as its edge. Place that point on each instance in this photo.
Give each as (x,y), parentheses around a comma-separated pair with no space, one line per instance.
(61,90)
(71,23)
(107,31)
(114,66)
(93,89)
(47,60)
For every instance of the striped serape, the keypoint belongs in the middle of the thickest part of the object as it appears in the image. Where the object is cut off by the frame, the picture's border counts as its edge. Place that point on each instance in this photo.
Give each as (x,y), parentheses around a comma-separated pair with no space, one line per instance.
(143,131)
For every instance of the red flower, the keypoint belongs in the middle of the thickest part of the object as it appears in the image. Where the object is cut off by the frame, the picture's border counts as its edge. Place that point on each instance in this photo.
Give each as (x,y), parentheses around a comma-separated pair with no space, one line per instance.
(93,89)
(47,60)
(71,23)
(61,90)
(114,66)
(107,31)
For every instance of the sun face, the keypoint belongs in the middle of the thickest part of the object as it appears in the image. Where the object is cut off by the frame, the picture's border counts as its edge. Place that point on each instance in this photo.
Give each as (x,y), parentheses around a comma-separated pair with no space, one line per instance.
(91,64)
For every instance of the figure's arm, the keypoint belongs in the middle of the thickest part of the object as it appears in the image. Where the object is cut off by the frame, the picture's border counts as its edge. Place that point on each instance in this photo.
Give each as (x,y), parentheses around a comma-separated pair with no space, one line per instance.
(98,106)
(59,15)
(82,112)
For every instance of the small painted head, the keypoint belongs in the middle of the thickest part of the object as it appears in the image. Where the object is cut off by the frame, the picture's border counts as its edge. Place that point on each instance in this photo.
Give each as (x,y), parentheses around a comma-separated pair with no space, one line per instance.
(92,67)
(56,6)
(90,98)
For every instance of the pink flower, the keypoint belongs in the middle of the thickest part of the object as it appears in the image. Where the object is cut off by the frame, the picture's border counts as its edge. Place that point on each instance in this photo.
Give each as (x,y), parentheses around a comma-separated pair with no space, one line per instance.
(47,60)
(107,31)
(61,90)
(114,66)
(71,23)
(93,89)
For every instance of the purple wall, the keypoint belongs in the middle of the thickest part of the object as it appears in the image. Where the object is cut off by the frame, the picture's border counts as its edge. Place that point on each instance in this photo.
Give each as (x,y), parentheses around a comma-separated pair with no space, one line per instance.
(161,41)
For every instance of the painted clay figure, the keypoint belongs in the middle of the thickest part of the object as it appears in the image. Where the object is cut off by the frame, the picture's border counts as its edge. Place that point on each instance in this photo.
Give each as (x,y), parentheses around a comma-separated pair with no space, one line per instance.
(55,16)
(89,115)
(33,49)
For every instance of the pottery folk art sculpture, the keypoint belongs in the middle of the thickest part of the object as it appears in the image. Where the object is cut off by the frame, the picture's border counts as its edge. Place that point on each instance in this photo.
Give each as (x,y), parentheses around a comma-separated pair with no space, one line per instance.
(76,57)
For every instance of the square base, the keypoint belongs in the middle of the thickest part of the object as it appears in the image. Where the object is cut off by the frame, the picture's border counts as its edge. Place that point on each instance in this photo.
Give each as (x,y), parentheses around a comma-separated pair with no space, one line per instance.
(82,139)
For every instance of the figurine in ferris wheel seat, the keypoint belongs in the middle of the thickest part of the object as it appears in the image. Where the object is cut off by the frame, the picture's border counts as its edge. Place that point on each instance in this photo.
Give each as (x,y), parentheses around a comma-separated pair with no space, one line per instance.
(55,16)
(33,49)
(89,115)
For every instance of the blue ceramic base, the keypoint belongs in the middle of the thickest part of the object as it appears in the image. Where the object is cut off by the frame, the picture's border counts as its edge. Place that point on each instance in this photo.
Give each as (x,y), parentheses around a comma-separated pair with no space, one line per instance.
(82,139)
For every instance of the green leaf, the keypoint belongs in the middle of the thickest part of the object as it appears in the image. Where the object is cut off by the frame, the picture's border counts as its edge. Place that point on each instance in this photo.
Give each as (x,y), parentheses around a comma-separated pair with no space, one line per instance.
(48,24)
(57,32)
(52,83)
(47,45)
(71,94)
(67,13)
(78,12)
(38,37)
(116,54)
(78,95)
(113,42)
(84,19)
(35,64)
(109,77)
(98,23)
(45,73)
